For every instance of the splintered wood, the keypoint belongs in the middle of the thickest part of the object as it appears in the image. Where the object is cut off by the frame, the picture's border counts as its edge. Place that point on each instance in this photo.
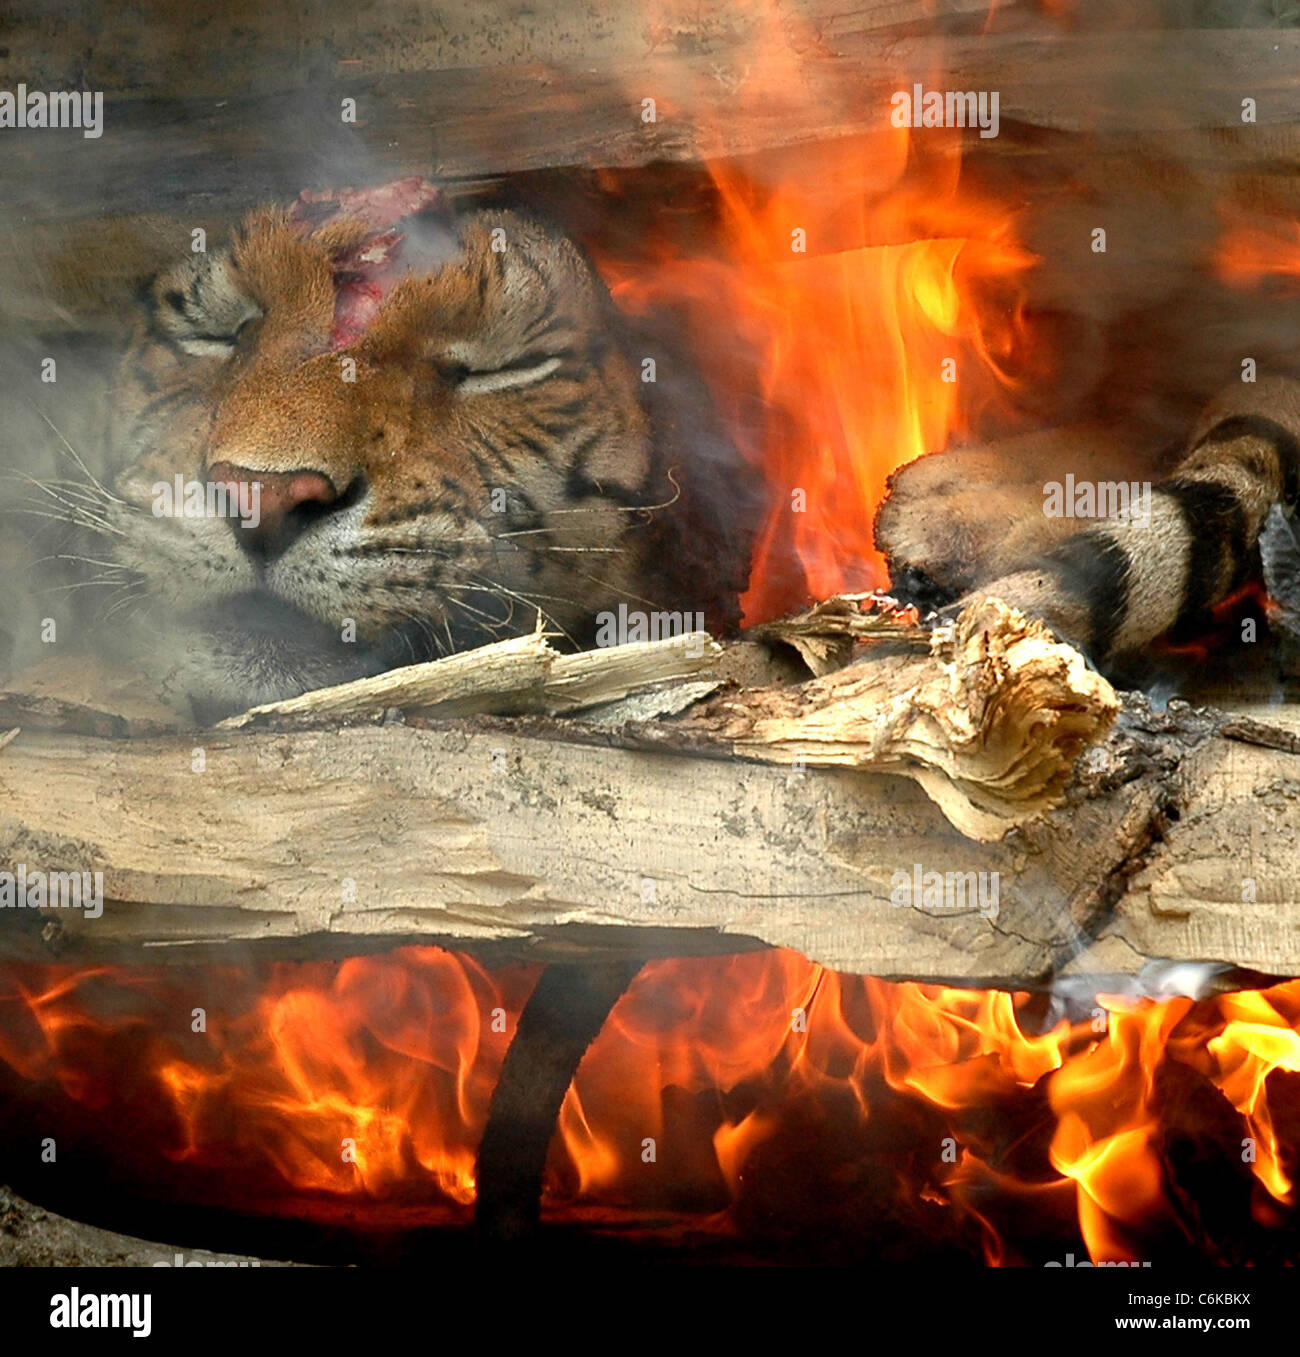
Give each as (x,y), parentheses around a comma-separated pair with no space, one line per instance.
(523,674)
(675,798)
(989,722)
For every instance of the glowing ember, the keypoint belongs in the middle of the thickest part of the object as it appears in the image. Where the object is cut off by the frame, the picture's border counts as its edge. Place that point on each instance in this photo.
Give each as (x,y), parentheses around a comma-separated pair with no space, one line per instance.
(747,1091)
(1246,254)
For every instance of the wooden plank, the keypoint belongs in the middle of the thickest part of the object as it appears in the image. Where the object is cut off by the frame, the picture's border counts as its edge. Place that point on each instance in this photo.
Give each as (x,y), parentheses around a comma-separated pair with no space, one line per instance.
(180,153)
(81,230)
(164,49)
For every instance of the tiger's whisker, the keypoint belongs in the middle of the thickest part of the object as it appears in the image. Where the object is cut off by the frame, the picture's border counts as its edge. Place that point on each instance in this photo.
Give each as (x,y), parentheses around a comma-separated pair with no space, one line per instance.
(75,455)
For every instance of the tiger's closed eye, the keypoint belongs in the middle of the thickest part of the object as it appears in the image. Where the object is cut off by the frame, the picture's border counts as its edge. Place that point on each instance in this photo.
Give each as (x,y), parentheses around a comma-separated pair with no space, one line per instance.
(202,308)
(512,375)
(472,379)
(219,345)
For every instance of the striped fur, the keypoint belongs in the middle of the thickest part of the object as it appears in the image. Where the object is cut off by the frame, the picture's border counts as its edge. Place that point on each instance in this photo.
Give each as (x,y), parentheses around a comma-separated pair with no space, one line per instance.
(1114,588)
(494,460)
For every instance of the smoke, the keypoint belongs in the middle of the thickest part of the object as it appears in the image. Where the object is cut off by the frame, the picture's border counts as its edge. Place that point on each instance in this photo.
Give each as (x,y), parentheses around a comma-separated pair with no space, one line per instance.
(1155,980)
(83,224)
(1148,326)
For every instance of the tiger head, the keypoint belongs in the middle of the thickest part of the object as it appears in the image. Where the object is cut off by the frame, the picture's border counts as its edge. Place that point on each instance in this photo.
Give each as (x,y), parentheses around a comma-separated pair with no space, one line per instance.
(339,447)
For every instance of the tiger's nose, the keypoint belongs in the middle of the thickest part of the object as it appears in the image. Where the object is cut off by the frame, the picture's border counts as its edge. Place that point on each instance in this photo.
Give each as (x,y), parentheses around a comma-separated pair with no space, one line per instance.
(269,510)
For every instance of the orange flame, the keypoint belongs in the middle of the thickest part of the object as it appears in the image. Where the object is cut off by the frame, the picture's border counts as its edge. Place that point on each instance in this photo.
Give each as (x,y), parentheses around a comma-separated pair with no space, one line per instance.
(751,1088)
(876,321)
(352,1078)
(869,297)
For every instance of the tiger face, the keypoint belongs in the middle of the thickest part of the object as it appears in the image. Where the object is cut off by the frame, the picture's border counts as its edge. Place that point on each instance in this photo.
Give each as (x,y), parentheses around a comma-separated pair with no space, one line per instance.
(401,468)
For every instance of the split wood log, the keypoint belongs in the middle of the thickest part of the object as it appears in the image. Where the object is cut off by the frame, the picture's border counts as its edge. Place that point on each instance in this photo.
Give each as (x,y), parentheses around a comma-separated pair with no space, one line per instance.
(826,636)
(989,723)
(550,837)
(544,839)
(988,717)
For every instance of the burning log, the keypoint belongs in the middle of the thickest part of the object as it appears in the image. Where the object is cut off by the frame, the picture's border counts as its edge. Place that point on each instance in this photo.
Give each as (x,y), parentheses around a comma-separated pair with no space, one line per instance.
(550,836)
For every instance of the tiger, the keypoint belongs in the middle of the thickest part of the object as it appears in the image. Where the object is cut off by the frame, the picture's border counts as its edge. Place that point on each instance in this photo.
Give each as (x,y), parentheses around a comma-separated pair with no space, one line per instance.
(1217,521)
(431,430)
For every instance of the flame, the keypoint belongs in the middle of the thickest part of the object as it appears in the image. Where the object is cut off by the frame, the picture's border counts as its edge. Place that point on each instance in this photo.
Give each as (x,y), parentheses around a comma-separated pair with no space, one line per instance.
(740,1091)
(871,299)
(350,1079)
(874,334)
